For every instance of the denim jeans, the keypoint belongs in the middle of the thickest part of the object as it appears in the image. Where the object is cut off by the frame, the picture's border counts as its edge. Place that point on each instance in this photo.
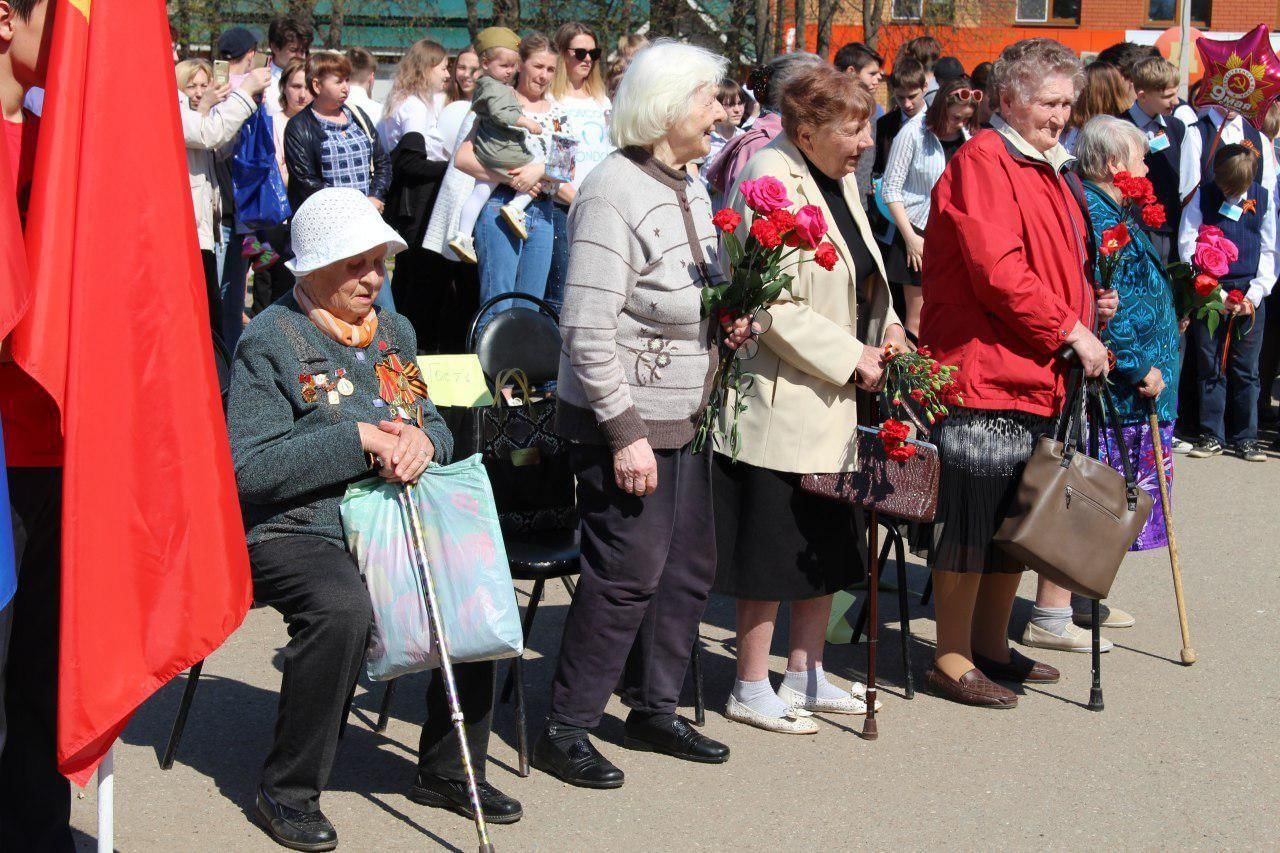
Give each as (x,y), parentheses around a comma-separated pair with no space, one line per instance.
(508,263)
(559,258)
(1229,399)
(231,281)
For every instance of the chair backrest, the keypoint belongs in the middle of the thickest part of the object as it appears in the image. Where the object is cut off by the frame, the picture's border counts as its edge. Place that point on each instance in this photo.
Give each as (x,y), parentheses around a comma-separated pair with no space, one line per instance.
(525,338)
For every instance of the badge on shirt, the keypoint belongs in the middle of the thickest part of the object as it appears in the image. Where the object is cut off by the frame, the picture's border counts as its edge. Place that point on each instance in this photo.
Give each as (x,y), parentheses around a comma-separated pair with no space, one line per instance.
(1231,210)
(1158,142)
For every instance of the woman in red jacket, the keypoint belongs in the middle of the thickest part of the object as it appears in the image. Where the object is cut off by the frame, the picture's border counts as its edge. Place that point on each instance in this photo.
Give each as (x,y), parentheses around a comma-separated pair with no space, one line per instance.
(1006,289)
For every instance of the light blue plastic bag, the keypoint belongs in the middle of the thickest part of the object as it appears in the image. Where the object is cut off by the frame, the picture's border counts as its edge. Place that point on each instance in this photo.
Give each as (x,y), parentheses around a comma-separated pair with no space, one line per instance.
(466,558)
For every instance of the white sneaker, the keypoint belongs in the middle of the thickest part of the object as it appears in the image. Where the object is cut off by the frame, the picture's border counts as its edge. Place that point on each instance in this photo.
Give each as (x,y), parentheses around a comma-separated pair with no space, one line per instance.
(850,703)
(796,722)
(464,246)
(1073,639)
(1181,445)
(515,219)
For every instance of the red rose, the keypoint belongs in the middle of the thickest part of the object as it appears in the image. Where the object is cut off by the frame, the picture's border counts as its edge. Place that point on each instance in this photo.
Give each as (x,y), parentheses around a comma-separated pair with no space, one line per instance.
(811,226)
(1205,285)
(826,256)
(1235,297)
(726,219)
(1114,239)
(783,220)
(1153,215)
(766,234)
(764,195)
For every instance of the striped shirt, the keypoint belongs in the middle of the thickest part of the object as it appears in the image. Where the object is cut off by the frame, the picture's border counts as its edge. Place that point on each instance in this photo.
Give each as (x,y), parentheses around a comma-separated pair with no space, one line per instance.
(916,162)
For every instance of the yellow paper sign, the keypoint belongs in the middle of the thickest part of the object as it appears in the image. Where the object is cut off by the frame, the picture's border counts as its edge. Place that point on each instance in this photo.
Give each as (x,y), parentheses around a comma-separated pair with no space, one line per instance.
(455,380)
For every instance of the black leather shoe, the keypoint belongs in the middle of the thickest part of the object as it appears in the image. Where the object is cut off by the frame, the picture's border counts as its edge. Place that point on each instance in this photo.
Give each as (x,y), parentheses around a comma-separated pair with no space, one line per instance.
(452,794)
(574,760)
(675,737)
(296,830)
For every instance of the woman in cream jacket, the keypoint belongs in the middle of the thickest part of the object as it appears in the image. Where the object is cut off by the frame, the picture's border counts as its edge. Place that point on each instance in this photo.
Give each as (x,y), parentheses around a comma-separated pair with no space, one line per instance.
(775,542)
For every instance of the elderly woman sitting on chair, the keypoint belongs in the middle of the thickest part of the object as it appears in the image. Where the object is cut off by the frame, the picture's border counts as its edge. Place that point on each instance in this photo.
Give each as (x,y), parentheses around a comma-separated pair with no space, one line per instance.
(324,393)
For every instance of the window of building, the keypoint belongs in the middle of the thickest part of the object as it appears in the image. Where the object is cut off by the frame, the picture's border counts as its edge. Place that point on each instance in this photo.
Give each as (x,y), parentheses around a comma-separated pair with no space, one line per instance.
(1166,13)
(907,10)
(1063,12)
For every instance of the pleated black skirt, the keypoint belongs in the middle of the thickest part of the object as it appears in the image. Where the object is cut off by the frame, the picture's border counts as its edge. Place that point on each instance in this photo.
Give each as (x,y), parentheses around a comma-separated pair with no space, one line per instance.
(982,455)
(776,542)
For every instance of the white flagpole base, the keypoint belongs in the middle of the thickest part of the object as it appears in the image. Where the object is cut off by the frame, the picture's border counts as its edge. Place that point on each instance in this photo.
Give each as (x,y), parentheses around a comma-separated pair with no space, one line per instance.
(106,802)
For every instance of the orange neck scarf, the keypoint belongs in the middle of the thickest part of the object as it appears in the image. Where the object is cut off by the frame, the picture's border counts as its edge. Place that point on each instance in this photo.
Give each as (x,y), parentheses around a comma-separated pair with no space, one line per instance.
(350,334)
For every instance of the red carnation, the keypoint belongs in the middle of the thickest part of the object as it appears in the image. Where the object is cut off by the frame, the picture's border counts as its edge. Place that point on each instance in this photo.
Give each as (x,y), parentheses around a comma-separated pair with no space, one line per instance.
(1153,215)
(1205,285)
(901,453)
(766,233)
(727,219)
(825,256)
(1235,297)
(893,432)
(783,219)
(1121,178)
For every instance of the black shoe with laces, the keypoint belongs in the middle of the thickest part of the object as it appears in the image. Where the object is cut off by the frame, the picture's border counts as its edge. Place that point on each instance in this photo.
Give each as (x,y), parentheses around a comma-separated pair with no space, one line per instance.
(569,755)
(1250,451)
(297,830)
(1205,448)
(673,736)
(431,790)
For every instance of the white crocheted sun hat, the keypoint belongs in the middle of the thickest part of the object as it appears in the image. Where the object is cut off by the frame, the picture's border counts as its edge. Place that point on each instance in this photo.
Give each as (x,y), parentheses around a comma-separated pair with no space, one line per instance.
(334,224)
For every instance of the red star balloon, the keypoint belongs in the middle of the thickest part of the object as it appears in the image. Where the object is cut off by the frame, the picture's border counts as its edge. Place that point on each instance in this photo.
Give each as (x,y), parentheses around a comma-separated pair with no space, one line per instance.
(1242,76)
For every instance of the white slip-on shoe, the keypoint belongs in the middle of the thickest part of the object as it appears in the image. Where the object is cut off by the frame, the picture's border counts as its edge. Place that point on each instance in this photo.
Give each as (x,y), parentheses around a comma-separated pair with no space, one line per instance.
(797,722)
(850,703)
(1112,617)
(1073,639)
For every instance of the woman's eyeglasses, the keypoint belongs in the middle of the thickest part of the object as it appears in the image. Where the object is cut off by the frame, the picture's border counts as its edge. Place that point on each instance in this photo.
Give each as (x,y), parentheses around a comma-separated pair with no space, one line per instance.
(965,96)
(582,54)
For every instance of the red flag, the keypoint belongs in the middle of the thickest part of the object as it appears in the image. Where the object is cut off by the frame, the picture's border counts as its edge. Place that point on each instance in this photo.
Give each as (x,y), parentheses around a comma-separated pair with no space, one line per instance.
(154,567)
(14,290)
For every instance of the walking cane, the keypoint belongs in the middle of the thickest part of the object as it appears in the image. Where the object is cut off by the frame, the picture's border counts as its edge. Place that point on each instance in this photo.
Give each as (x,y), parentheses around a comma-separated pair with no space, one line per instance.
(869,731)
(1188,653)
(1095,692)
(419,552)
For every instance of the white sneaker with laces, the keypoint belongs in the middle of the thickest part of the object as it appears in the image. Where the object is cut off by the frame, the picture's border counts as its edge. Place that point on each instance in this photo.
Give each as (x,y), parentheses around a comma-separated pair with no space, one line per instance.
(464,246)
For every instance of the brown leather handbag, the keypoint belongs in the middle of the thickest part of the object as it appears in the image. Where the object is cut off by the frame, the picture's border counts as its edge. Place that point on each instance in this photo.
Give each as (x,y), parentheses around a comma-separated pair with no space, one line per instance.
(1074,517)
(906,490)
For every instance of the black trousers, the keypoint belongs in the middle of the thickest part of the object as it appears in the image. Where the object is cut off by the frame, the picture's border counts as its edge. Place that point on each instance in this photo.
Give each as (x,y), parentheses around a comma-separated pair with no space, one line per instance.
(209,262)
(35,799)
(440,297)
(316,586)
(646,570)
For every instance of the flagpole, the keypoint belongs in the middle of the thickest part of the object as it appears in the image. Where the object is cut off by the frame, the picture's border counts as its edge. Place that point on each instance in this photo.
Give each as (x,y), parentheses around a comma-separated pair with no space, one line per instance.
(106,802)
(1184,49)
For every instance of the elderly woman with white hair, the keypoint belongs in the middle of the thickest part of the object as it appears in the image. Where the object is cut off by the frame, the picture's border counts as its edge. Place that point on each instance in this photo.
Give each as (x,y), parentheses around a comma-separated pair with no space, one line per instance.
(309,414)
(1007,286)
(634,376)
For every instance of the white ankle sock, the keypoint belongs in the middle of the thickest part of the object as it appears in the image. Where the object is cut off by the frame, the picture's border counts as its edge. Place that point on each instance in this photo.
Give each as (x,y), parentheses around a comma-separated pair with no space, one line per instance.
(759,697)
(813,683)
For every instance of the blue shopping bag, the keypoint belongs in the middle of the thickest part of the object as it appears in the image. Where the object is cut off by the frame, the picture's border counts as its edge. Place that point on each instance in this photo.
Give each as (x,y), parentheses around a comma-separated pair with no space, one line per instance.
(261,199)
(466,558)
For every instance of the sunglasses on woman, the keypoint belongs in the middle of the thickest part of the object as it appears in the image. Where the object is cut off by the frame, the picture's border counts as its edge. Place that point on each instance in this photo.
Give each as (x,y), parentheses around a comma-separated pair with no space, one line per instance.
(964,96)
(582,54)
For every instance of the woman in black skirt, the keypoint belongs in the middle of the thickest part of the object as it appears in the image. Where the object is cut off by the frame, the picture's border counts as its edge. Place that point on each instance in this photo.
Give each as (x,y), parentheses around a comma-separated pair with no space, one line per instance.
(775,542)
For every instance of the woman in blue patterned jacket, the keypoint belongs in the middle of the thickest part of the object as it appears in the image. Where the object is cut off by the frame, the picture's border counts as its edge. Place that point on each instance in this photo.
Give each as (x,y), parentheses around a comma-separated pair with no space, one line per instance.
(1144,333)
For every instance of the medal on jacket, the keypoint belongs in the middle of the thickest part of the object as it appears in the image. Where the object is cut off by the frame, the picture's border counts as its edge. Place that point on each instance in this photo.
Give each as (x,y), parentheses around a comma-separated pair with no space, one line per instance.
(308,382)
(401,385)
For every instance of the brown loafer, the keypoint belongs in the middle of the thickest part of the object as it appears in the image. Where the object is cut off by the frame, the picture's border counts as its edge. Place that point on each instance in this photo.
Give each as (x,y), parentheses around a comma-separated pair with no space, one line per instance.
(973,688)
(1020,669)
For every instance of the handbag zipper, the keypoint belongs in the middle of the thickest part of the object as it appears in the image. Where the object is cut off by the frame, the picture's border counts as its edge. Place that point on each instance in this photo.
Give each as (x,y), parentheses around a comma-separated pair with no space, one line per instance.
(1093,503)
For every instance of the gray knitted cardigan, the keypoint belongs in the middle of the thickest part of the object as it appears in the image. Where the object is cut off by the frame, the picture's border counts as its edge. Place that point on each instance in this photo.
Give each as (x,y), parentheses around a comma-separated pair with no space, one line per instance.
(637,360)
(294,459)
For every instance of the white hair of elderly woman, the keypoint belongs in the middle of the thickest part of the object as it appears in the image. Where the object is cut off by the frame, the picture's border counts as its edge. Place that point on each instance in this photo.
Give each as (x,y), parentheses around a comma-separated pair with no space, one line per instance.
(1105,140)
(1024,66)
(658,88)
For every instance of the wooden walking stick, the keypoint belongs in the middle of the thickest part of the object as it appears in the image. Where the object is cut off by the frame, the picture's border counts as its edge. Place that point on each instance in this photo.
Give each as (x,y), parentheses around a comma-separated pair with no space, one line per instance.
(418,548)
(1188,653)
(869,731)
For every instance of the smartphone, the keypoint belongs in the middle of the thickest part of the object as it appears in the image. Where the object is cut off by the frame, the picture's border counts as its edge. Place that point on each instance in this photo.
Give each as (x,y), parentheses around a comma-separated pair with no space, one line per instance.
(260,59)
(221,72)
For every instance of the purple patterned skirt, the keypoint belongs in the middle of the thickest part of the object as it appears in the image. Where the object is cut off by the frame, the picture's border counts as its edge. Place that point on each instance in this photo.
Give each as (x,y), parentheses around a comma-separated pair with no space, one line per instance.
(1142,455)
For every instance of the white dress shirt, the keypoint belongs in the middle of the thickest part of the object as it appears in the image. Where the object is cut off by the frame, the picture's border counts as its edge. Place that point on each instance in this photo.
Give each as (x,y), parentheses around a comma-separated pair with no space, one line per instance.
(1193,217)
(358,96)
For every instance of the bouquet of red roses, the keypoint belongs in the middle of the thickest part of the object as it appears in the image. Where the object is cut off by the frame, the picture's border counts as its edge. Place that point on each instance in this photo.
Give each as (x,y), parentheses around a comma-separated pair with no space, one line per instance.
(1196,285)
(775,237)
(915,379)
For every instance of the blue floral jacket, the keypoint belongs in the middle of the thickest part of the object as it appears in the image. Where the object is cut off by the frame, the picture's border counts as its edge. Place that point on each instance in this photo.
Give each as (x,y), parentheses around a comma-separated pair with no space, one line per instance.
(1144,332)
